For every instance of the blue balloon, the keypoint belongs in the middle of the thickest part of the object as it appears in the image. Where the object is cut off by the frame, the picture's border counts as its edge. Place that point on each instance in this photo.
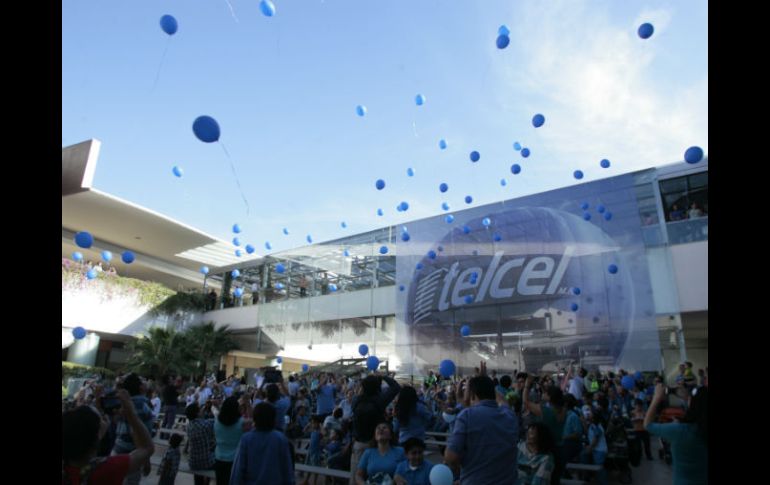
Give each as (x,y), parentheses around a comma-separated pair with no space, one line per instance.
(447,368)
(474,277)
(468,299)
(503,41)
(517,146)
(449,218)
(432,254)
(538,120)
(404,206)
(91,274)
(600,209)
(607,216)
(379,212)
(525,152)
(127,257)
(645,30)
(475,252)
(442,144)
(613,268)
(628,383)
(236,228)
(419,100)
(410,172)
(576,291)
(235,273)
(238,292)
(468,199)
(584,206)
(305,367)
(445,206)
(268,246)
(380,184)
(405,236)
(204,270)
(503,182)
(693,155)
(486,221)
(236,241)
(279,360)
(372,362)
(578,174)
(503,30)
(443,187)
(309,239)
(401,288)
(206,129)
(466,230)
(343,225)
(285,231)
(279,286)
(605,163)
(280,268)
(638,376)
(250,249)
(475,156)
(168,24)
(361,110)
(440,248)
(363,349)
(383,250)
(419,266)
(79,333)
(587,216)
(574,307)
(515,169)
(332,287)
(465,330)
(267,8)
(77,256)
(177,170)
(106,256)
(497,237)
(346,253)
(84,239)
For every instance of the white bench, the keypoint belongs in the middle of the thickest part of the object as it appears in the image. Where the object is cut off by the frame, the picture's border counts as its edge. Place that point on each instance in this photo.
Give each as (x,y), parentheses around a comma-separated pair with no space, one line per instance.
(585,468)
(317,470)
(438,433)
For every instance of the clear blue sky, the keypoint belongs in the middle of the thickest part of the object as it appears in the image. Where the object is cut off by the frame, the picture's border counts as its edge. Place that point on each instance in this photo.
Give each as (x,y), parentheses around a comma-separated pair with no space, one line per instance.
(284,91)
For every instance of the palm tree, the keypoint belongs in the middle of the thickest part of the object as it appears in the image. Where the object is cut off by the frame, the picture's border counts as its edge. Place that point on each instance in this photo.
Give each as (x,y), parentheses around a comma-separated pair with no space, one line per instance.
(207,342)
(160,352)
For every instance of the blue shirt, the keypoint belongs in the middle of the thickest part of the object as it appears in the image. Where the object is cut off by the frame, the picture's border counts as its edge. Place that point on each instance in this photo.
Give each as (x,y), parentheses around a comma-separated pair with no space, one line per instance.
(372,462)
(420,476)
(573,425)
(485,437)
(124,443)
(419,419)
(281,406)
(263,459)
(689,453)
(227,438)
(325,404)
(315,443)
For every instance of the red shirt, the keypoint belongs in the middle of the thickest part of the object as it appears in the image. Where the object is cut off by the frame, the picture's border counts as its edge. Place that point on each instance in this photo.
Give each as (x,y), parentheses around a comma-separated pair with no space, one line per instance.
(110,472)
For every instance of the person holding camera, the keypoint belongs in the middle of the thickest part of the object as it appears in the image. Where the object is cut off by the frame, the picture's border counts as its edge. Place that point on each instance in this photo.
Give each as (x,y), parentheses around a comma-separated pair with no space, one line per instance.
(83,429)
(124,443)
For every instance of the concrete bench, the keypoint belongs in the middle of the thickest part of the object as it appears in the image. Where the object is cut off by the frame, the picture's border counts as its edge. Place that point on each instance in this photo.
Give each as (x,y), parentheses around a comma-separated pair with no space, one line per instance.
(438,433)
(328,472)
(184,467)
(585,468)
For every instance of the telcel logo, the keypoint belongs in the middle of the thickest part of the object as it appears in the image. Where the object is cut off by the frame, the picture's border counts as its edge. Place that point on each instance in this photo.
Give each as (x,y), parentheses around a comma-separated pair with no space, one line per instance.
(540,275)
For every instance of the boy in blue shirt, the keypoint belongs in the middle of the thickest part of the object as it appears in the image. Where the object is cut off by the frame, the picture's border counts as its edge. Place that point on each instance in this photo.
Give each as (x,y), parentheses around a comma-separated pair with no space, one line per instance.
(415,470)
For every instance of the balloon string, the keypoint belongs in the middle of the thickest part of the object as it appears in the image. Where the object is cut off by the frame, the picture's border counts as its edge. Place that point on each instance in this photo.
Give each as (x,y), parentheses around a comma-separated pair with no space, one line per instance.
(237,180)
(232,12)
(162,58)
(414,127)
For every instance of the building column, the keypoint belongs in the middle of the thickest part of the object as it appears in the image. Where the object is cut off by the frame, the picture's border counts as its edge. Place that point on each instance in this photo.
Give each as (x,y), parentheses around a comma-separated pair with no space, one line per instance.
(84,351)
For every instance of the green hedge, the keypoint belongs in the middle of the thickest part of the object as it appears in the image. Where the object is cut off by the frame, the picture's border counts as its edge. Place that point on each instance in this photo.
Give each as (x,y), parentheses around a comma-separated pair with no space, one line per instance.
(70,369)
(147,293)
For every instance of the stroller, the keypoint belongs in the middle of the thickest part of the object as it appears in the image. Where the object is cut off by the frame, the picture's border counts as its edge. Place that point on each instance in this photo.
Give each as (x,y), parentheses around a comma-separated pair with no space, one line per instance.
(618,444)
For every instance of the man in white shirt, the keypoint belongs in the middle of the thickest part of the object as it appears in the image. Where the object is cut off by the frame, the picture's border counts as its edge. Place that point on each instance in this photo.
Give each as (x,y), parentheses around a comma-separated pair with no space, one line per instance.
(577,385)
(203,393)
(293,386)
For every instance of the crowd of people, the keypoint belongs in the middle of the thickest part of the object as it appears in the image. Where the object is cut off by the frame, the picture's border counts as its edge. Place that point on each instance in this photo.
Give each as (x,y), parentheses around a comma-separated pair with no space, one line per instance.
(516,429)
